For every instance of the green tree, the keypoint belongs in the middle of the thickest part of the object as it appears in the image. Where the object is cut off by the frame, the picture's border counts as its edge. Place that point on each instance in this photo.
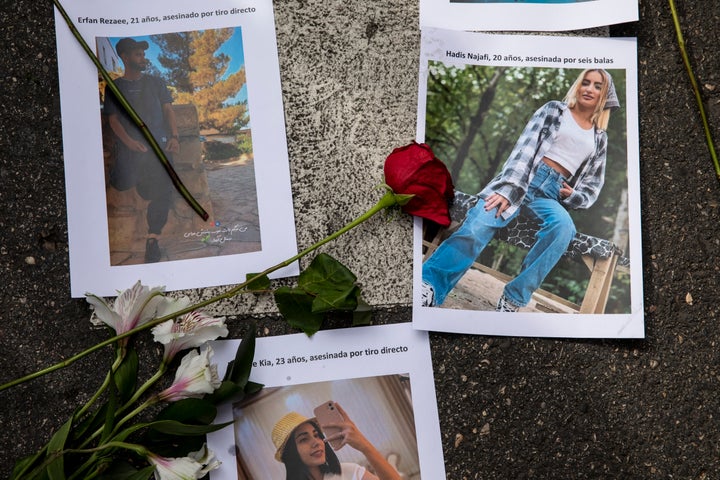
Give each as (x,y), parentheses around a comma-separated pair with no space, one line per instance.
(175,57)
(198,74)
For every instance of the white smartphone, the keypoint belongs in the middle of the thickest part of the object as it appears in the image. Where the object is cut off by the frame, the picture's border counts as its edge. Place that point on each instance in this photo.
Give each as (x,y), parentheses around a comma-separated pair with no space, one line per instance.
(328,413)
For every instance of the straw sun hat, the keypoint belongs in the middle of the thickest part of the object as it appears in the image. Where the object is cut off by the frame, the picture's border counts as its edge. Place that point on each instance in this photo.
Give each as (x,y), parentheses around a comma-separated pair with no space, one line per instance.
(283,428)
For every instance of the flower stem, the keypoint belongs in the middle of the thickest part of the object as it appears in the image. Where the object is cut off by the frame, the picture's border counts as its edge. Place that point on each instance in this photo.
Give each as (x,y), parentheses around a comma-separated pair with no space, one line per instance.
(179,186)
(139,449)
(387,200)
(696,90)
(102,388)
(147,403)
(161,371)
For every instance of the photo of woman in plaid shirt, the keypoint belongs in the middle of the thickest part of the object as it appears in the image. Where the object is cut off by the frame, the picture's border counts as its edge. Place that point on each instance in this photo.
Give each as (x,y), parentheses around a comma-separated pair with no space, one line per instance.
(558,163)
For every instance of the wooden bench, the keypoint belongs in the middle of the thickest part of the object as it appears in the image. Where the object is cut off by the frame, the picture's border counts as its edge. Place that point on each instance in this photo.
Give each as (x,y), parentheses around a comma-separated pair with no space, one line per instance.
(600,256)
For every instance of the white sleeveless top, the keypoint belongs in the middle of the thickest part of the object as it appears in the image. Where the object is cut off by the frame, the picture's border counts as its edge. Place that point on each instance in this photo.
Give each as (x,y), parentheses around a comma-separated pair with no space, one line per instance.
(572,144)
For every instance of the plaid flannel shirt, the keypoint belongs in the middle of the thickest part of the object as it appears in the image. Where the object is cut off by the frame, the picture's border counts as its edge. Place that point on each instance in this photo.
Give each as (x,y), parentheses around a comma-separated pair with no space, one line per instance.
(537,137)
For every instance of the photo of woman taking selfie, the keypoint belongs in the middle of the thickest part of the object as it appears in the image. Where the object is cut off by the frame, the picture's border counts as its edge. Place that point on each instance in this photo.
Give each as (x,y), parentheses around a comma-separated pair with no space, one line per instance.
(308,455)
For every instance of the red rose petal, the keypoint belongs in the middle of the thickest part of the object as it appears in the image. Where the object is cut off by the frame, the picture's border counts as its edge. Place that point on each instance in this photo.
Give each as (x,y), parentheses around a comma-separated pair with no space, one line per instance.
(414,170)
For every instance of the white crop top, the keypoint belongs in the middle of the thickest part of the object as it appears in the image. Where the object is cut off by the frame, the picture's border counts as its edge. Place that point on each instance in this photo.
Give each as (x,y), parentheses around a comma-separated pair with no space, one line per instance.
(572,144)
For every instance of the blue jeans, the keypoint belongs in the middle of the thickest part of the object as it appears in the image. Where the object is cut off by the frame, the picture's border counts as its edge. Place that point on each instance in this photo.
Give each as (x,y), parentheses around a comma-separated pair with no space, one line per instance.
(447,265)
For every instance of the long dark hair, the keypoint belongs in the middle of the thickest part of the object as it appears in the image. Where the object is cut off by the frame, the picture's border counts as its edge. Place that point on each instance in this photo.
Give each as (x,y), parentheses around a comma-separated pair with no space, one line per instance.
(294,467)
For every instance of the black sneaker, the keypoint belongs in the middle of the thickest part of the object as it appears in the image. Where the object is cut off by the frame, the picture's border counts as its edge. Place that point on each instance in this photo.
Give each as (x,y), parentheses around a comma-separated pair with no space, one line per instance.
(506,306)
(427,295)
(152,251)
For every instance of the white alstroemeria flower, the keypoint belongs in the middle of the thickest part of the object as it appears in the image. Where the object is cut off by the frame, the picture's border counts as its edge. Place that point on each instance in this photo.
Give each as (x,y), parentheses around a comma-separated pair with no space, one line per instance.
(195,377)
(188,331)
(195,465)
(133,307)
(171,305)
(206,458)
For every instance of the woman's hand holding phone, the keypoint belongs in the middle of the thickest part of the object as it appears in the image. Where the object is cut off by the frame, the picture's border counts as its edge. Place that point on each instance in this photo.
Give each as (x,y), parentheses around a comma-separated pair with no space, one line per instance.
(338,429)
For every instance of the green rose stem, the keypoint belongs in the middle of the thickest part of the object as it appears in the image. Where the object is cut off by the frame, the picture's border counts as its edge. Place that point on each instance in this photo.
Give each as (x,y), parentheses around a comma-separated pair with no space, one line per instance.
(696,90)
(388,200)
(179,186)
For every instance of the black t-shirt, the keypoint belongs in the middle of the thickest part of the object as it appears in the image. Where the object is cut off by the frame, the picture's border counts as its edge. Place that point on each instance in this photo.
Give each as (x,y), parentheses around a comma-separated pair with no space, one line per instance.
(146,95)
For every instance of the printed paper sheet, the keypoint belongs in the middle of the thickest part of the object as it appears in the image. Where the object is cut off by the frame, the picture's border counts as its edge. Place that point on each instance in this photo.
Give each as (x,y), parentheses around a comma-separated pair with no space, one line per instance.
(529,15)
(381,376)
(477,94)
(219,63)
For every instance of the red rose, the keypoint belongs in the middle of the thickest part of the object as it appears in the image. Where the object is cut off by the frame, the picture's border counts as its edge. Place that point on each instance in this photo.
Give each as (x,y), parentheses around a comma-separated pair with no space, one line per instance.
(414,170)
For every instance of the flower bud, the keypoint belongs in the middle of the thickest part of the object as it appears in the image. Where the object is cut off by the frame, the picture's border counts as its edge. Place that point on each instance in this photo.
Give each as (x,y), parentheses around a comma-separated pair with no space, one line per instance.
(414,170)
